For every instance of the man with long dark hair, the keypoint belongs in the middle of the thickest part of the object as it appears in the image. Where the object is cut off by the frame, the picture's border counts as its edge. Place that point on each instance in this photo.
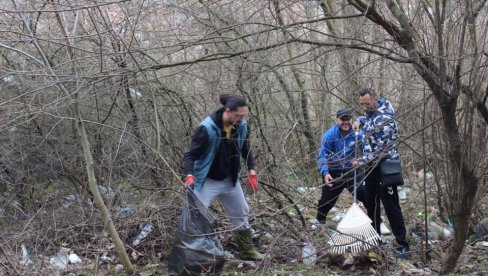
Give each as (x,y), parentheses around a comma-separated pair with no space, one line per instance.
(212,166)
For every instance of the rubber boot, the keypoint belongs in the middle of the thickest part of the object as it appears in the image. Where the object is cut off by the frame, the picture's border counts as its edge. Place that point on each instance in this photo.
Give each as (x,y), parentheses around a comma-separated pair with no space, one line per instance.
(245,247)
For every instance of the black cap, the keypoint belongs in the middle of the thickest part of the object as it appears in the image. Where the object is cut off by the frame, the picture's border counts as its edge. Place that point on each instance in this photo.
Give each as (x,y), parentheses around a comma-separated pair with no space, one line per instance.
(344,112)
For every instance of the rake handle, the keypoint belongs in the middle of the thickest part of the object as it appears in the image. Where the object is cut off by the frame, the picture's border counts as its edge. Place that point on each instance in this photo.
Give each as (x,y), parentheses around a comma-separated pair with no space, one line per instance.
(356,134)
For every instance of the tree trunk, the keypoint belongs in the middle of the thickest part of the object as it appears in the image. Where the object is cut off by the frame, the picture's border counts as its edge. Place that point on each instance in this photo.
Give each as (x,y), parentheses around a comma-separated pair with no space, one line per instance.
(92,181)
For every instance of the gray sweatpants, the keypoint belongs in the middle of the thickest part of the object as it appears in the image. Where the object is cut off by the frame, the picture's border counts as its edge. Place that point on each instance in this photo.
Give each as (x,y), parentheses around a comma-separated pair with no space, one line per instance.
(231,197)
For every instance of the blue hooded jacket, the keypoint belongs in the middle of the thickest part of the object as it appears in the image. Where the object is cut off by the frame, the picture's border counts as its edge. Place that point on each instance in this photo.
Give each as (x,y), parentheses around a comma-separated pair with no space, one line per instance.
(335,151)
(380,133)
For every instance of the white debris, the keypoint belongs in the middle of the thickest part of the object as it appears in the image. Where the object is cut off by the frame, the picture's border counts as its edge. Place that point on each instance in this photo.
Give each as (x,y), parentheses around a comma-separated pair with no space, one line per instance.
(145,229)
(60,260)
(338,217)
(309,254)
(482,244)
(119,267)
(25,256)
(136,94)
(74,259)
(402,195)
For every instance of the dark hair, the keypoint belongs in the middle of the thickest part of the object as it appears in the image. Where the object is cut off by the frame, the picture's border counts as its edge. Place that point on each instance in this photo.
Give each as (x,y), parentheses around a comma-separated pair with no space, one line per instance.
(232,101)
(366,90)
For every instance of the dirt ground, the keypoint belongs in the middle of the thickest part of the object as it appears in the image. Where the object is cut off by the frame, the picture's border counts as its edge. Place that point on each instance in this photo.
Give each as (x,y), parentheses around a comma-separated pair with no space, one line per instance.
(64,221)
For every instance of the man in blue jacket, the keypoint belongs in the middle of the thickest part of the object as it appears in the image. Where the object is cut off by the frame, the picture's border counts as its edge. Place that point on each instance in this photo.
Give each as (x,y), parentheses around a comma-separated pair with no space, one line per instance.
(213,163)
(380,143)
(336,151)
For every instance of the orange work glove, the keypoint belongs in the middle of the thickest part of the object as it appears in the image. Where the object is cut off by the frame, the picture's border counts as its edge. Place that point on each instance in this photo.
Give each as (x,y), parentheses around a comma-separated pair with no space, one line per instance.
(189,180)
(252,181)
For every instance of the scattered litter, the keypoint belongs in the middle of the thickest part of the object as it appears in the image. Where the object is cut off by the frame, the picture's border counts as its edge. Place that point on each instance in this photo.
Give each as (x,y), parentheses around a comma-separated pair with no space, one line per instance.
(348,262)
(68,200)
(60,260)
(416,237)
(145,229)
(125,210)
(309,254)
(134,93)
(106,191)
(119,267)
(228,255)
(302,208)
(105,259)
(482,244)
(74,259)
(338,216)
(402,194)
(8,78)
(481,229)
(315,224)
(25,256)
(247,264)
(428,175)
(439,232)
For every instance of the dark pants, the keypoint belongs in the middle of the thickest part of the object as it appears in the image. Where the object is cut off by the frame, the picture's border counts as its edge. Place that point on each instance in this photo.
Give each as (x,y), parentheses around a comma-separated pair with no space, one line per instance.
(391,203)
(331,194)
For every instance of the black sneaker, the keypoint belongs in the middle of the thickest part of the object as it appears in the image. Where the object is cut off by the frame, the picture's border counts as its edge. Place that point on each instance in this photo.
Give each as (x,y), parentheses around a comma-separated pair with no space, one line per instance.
(403,252)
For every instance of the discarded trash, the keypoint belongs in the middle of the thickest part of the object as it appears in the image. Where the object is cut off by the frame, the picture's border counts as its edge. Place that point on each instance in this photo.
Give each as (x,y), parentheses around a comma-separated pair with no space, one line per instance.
(105,259)
(302,190)
(145,229)
(439,232)
(106,191)
(481,244)
(119,267)
(125,210)
(25,256)
(338,217)
(448,233)
(481,229)
(68,200)
(74,259)
(428,175)
(228,255)
(134,93)
(309,254)
(197,249)
(60,260)
(402,194)
(315,224)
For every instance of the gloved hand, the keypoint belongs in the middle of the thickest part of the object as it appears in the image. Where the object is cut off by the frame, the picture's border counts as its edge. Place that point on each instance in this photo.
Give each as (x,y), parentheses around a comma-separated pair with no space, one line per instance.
(252,181)
(189,180)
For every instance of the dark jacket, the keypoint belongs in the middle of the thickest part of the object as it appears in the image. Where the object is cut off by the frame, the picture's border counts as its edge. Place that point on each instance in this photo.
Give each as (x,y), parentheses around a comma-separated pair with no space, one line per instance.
(226,158)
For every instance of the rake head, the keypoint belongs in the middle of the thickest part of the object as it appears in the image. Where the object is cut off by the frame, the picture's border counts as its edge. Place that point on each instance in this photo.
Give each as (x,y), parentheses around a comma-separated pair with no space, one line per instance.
(354,232)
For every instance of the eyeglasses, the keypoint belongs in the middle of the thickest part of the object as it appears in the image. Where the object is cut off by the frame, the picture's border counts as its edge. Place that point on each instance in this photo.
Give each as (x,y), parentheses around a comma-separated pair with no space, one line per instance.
(345,118)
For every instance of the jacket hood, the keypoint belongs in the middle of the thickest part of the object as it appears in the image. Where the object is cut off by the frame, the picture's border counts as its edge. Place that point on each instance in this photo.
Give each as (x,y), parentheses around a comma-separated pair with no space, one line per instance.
(217,117)
(384,107)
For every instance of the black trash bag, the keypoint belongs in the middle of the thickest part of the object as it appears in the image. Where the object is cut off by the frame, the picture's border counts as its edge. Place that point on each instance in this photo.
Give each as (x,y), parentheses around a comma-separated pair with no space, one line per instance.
(197,249)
